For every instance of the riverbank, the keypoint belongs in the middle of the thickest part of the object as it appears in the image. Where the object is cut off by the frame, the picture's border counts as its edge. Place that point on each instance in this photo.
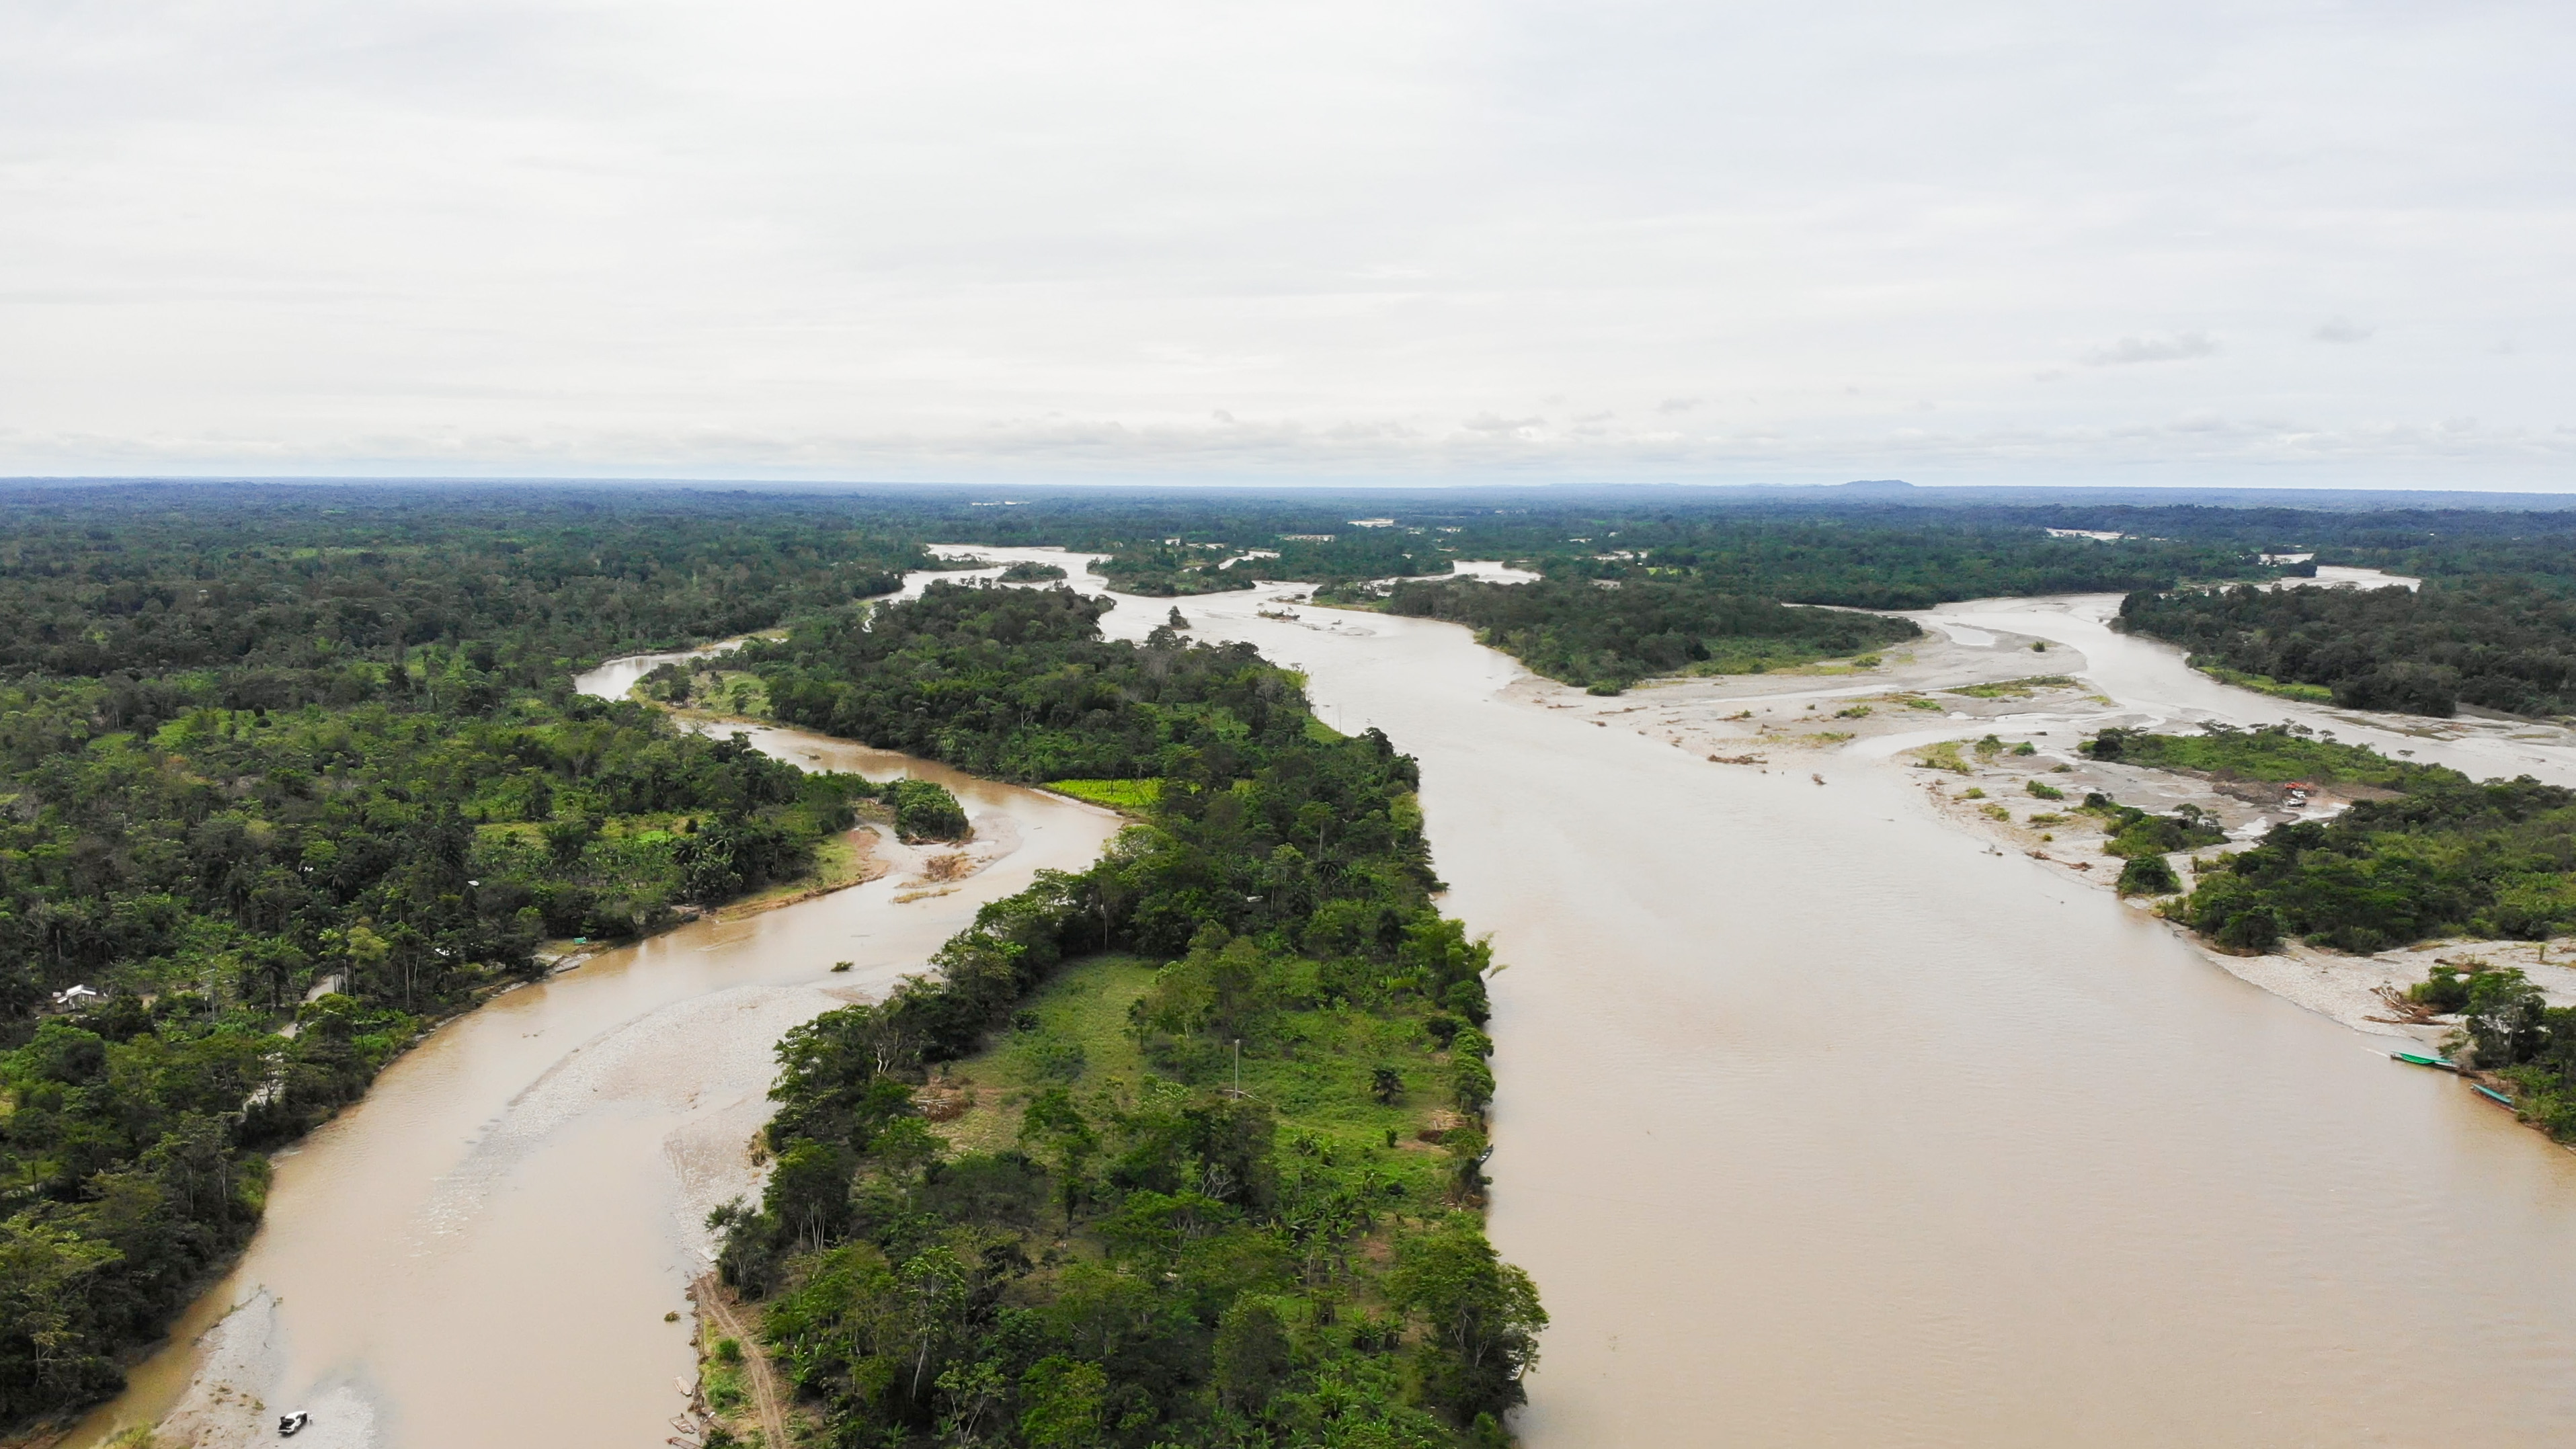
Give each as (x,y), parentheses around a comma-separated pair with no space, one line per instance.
(1921,708)
(1923,711)
(1993,751)
(1921,1083)
(1221,1136)
(571,1134)
(738,1387)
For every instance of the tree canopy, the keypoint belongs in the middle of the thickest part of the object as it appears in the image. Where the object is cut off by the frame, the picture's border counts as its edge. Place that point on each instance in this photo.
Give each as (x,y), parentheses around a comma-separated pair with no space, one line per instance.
(1153,1260)
(2504,644)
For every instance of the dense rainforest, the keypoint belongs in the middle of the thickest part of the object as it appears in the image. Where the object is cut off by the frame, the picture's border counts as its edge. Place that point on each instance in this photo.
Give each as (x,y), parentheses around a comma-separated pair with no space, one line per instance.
(306,757)
(1607,638)
(1165,568)
(282,587)
(281,785)
(2506,644)
(1820,545)
(1220,1207)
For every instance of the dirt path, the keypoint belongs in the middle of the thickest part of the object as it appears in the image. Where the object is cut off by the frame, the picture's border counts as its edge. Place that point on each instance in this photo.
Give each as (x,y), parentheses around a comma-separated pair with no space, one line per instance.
(716,1303)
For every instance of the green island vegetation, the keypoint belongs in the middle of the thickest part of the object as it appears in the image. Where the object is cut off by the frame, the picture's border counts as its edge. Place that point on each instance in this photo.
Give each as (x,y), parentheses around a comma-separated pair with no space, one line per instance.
(2011,688)
(2505,644)
(2448,856)
(1354,555)
(925,810)
(1172,570)
(1609,638)
(1219,1177)
(2442,855)
(2270,754)
(1030,571)
(1171,567)
(2142,840)
(288,779)
(1011,684)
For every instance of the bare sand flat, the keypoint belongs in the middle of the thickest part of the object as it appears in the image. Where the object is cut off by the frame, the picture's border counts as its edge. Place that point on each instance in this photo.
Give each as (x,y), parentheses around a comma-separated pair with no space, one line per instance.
(1921,708)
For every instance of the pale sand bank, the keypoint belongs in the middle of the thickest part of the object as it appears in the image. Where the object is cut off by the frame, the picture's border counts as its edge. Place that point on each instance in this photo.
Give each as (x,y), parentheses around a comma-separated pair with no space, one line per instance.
(1835,718)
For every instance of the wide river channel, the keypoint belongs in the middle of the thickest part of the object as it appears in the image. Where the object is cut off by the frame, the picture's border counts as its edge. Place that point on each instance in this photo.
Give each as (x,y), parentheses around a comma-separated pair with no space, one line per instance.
(1820,1125)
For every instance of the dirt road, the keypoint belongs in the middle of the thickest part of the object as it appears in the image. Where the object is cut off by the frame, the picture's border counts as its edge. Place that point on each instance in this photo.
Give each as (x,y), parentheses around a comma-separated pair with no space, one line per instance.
(716,1304)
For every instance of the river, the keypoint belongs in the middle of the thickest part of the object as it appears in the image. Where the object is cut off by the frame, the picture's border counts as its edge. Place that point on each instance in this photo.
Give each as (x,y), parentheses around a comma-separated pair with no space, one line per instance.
(482,1251)
(1819,1124)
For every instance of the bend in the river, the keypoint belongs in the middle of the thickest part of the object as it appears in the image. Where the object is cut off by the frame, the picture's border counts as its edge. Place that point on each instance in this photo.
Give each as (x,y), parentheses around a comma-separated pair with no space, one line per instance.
(1818,1124)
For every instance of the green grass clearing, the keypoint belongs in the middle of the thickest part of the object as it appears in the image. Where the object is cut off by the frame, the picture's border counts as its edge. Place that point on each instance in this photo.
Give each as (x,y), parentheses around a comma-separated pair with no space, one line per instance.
(2014,688)
(2266,684)
(1132,795)
(1315,1072)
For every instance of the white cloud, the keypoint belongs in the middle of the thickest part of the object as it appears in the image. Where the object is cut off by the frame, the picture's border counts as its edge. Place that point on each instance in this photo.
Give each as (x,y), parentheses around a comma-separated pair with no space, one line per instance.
(2341,329)
(1153,240)
(2169,347)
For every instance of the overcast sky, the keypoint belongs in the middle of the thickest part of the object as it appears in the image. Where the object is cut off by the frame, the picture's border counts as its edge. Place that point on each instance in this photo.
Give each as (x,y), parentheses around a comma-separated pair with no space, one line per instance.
(2308,243)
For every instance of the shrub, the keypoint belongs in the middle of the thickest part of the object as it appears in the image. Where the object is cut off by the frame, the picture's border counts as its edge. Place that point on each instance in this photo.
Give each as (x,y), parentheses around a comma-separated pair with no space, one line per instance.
(2148,875)
(2446,991)
(2253,930)
(924,810)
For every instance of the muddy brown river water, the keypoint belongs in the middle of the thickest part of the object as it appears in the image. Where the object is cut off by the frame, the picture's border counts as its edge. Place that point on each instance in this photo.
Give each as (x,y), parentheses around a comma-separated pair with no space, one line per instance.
(482,1251)
(1819,1125)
